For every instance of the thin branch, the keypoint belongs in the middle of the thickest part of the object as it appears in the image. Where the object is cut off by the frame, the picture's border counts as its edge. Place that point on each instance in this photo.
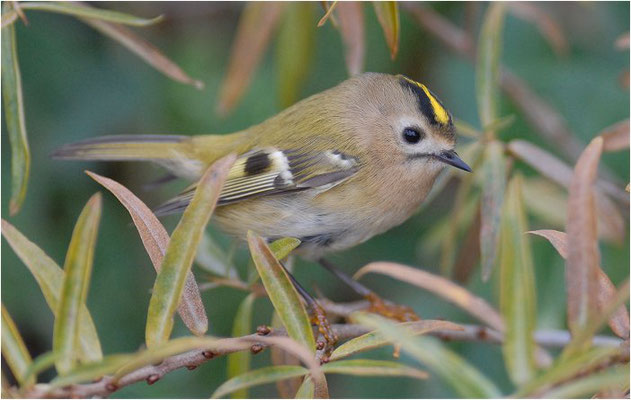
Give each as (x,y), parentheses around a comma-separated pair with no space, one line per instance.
(257,342)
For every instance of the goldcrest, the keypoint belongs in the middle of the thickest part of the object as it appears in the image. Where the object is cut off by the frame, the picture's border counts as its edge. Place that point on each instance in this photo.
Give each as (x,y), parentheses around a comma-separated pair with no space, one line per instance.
(333,170)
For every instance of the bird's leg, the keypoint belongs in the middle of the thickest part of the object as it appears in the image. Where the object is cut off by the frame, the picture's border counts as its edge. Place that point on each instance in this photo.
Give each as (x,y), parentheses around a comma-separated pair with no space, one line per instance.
(316,313)
(377,305)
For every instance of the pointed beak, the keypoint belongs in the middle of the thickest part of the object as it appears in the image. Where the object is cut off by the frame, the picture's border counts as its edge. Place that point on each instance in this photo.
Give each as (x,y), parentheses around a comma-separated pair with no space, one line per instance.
(451,157)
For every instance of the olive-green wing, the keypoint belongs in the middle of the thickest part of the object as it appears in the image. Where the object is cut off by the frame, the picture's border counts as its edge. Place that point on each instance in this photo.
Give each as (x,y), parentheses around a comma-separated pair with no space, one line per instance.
(270,171)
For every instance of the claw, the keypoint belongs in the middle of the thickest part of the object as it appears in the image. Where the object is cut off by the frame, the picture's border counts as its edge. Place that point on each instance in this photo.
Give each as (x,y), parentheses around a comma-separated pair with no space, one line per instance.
(393,311)
(318,318)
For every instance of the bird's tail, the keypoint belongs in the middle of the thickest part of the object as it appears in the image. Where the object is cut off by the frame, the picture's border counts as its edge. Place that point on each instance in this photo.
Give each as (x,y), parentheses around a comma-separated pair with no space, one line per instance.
(176,153)
(124,148)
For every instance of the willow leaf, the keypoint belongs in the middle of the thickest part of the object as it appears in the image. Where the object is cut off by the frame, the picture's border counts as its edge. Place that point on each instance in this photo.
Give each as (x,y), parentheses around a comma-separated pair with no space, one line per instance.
(156,240)
(14,350)
(49,277)
(74,290)
(239,362)
(294,50)
(364,367)
(375,339)
(178,259)
(281,292)
(493,187)
(517,288)
(488,64)
(14,116)
(465,379)
(78,10)
(388,16)
(259,377)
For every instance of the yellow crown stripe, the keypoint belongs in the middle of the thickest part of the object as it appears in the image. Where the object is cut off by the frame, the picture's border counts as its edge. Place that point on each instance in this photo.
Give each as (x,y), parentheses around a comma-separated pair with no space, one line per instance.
(441,115)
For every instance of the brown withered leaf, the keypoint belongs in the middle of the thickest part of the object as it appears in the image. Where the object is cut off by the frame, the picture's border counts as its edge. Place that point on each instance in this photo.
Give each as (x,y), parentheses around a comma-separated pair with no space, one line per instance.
(622,42)
(619,321)
(143,49)
(256,25)
(547,25)
(611,222)
(616,136)
(444,288)
(469,253)
(351,26)
(156,240)
(584,257)
(558,239)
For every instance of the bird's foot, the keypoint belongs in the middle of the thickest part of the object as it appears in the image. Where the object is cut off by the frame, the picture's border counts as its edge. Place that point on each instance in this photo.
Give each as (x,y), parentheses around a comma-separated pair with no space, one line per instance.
(326,337)
(390,310)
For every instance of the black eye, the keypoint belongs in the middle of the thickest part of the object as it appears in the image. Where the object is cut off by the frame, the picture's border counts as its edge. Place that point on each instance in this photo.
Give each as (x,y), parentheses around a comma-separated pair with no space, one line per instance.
(412,135)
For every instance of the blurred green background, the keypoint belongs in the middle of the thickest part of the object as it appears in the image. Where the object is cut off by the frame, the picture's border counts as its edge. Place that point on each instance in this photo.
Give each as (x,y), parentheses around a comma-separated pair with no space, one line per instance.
(78,84)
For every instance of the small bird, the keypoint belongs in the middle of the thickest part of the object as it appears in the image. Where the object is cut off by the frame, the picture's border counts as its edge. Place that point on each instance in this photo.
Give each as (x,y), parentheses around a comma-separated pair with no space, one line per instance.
(333,170)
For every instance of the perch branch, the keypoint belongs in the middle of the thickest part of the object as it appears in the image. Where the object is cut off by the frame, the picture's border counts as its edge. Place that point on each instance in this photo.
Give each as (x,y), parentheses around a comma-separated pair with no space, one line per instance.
(256,342)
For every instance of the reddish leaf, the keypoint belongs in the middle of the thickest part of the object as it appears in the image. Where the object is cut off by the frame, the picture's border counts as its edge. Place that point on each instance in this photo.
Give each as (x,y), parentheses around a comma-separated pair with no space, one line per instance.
(611,222)
(258,22)
(351,23)
(619,321)
(584,257)
(156,240)
(622,43)
(549,28)
(143,49)
(616,137)
(446,289)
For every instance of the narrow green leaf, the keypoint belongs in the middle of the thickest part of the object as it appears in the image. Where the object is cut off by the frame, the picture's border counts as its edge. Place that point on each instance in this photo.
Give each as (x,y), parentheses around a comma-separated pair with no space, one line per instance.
(259,377)
(40,364)
(294,51)
(562,370)
(14,350)
(587,386)
(281,292)
(239,362)
(92,371)
(156,240)
(375,339)
(74,290)
(363,367)
(49,277)
(517,288)
(465,379)
(143,49)
(493,187)
(177,262)
(283,247)
(78,10)
(14,117)
(388,16)
(488,64)
(306,390)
